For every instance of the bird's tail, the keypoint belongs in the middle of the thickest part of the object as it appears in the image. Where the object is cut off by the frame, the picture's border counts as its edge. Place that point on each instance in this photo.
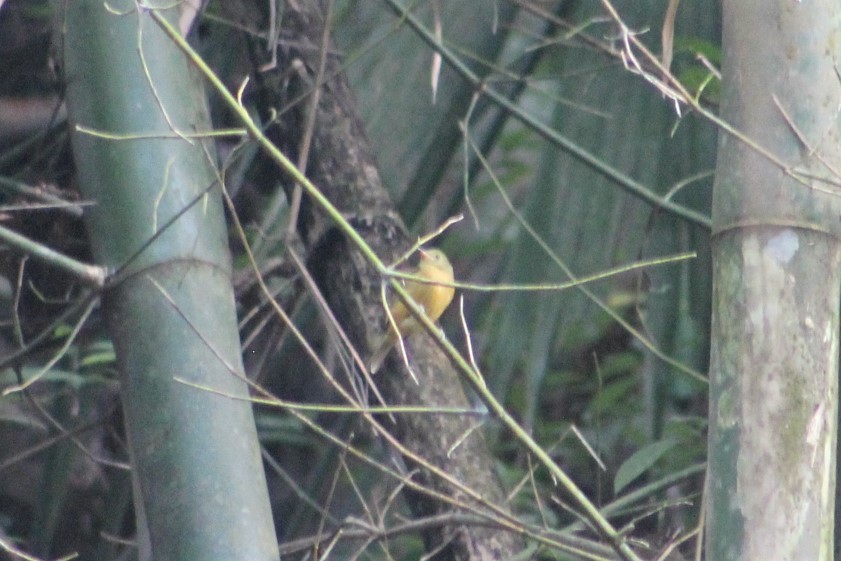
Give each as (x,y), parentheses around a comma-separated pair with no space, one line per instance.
(379,355)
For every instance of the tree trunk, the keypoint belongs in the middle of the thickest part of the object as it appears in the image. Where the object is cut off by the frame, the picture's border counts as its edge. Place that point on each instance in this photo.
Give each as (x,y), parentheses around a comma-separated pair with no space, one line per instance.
(777,258)
(200,490)
(342,165)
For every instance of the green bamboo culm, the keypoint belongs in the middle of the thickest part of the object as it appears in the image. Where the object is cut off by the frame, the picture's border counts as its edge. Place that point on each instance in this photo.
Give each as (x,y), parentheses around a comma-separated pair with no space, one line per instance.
(200,490)
(776,251)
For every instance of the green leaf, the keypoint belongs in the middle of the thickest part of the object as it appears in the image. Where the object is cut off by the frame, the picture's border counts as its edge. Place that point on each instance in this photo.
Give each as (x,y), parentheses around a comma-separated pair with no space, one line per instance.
(640,462)
(98,354)
(700,81)
(696,46)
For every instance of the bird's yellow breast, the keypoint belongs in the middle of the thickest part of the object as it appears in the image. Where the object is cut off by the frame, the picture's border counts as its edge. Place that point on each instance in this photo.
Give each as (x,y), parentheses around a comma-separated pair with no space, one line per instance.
(432,297)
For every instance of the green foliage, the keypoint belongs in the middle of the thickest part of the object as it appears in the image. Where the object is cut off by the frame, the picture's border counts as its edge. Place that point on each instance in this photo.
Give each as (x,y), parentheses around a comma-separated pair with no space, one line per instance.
(640,462)
(696,62)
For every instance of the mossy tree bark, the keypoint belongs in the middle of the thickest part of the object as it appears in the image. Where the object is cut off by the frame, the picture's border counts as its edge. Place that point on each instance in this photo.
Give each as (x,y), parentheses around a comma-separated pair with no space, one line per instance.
(342,165)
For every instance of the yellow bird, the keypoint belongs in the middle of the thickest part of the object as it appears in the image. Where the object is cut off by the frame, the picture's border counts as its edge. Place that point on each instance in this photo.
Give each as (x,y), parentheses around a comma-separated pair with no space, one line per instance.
(433,298)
